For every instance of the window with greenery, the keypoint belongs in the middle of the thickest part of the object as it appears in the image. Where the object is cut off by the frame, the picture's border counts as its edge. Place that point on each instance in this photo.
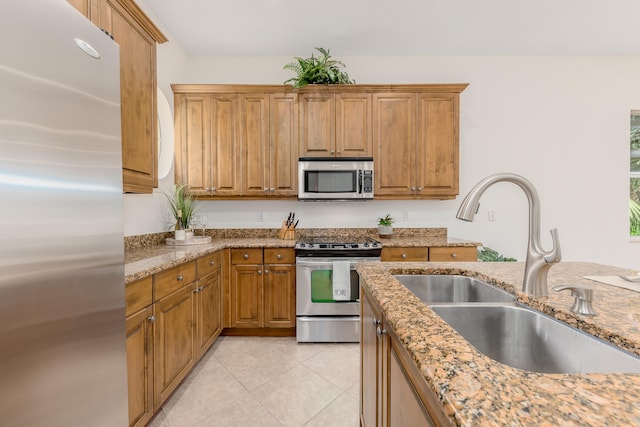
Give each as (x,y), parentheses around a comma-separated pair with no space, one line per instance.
(634,175)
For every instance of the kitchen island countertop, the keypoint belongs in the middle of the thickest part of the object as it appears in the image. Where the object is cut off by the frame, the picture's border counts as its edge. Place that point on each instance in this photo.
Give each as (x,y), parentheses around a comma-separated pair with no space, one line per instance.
(476,390)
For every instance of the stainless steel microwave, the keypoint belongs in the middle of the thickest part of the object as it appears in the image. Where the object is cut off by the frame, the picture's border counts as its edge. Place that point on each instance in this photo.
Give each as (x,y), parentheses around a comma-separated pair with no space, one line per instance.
(335,178)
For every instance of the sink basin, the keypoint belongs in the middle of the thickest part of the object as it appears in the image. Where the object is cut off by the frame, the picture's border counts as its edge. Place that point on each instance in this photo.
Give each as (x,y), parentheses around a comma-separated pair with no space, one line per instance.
(526,339)
(442,288)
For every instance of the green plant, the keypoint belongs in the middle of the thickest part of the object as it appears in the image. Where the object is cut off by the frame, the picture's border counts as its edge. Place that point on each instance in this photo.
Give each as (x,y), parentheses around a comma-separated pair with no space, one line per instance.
(317,70)
(181,203)
(634,218)
(386,220)
(489,255)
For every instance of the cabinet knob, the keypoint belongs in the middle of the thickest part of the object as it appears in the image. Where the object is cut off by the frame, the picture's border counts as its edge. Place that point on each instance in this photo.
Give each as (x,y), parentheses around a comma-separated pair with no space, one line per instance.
(259,271)
(266,189)
(404,256)
(180,277)
(338,152)
(196,290)
(212,262)
(245,256)
(419,188)
(454,255)
(413,188)
(151,319)
(266,271)
(376,322)
(279,256)
(273,189)
(380,332)
(332,152)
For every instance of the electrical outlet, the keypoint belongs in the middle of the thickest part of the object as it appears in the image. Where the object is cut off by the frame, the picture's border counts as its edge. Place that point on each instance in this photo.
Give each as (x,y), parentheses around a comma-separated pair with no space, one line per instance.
(260,216)
(405,216)
(491,215)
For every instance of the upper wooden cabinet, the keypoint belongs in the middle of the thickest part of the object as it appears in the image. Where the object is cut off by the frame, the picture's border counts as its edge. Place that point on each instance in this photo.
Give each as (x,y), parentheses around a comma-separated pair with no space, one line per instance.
(245,140)
(137,37)
(335,124)
(416,140)
(236,140)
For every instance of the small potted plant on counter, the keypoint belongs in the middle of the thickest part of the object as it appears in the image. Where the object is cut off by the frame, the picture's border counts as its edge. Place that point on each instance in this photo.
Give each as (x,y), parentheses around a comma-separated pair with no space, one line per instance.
(182,209)
(385,225)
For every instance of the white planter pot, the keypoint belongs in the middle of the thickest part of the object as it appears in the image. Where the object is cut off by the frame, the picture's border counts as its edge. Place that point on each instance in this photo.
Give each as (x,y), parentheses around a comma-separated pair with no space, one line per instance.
(385,230)
(180,234)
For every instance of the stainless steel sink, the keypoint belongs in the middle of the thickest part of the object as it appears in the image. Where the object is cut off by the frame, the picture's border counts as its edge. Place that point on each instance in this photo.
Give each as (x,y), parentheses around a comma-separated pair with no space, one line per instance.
(526,339)
(442,288)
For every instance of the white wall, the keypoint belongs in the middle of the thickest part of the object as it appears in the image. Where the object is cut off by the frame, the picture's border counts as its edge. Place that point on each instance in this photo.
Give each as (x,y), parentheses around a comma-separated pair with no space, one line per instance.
(561,122)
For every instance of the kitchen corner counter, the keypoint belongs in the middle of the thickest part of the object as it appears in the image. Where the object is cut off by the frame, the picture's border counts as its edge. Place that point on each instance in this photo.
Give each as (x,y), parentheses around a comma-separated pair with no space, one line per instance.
(142,262)
(476,390)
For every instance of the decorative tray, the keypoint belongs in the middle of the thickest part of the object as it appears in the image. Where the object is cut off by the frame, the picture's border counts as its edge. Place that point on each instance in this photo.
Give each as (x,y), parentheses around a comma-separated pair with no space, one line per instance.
(195,240)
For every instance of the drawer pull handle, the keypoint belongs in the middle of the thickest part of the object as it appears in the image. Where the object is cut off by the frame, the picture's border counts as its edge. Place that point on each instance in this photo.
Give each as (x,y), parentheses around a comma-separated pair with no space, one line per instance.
(259,271)
(454,255)
(245,256)
(404,256)
(279,256)
(180,277)
(266,272)
(212,262)
(151,319)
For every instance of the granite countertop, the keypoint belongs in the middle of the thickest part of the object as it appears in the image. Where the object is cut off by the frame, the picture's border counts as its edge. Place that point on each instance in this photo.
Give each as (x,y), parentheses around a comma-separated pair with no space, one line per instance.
(144,260)
(476,390)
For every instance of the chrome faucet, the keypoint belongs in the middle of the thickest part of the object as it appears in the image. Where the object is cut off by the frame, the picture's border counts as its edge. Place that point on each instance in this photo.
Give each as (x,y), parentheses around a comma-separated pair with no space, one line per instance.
(538,260)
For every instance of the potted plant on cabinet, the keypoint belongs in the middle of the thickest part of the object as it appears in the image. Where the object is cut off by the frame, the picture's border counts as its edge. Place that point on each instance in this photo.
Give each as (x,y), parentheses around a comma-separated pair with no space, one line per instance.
(385,226)
(317,70)
(182,209)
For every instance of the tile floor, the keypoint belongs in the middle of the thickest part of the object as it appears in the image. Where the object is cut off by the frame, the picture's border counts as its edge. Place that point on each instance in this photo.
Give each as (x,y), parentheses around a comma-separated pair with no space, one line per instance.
(255,382)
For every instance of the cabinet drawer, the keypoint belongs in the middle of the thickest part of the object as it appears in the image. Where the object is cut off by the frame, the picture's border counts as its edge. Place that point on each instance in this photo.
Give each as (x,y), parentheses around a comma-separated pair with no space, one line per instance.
(173,279)
(279,256)
(246,256)
(453,253)
(138,295)
(209,263)
(404,254)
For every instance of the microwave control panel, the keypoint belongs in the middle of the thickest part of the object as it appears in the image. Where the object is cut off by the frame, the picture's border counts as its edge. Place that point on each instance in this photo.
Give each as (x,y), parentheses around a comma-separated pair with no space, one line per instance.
(367,181)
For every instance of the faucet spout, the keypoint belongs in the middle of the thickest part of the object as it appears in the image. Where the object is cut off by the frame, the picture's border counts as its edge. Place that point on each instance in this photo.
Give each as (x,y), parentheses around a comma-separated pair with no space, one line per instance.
(538,260)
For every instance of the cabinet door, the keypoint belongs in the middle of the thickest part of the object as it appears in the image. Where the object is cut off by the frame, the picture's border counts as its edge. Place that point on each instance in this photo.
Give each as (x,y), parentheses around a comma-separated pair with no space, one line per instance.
(193,165)
(280,296)
(246,296)
(353,125)
(394,123)
(208,311)
(83,6)
(437,145)
(140,366)
(404,406)
(254,143)
(370,365)
(317,125)
(283,145)
(225,145)
(174,339)
(137,96)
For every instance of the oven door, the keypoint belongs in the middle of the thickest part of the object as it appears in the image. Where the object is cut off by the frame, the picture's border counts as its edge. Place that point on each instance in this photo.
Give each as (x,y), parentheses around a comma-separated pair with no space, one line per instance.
(315,288)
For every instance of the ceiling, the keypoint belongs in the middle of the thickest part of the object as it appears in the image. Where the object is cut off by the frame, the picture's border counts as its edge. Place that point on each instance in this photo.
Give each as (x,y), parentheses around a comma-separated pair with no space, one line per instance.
(401,27)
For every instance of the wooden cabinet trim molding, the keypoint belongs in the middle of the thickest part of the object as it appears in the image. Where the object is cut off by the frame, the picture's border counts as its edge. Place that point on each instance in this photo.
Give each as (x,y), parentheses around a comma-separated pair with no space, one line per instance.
(247,88)
(141,18)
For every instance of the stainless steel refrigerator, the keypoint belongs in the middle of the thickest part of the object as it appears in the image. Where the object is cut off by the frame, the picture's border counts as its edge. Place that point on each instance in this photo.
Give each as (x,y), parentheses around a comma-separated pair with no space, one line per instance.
(62,321)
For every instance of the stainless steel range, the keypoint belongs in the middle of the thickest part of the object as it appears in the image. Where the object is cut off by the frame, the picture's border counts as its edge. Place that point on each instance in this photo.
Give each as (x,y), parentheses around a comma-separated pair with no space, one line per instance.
(328,287)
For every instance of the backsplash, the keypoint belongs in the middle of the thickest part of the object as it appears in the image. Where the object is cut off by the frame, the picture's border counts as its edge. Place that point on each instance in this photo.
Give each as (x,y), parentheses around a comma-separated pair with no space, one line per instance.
(155,239)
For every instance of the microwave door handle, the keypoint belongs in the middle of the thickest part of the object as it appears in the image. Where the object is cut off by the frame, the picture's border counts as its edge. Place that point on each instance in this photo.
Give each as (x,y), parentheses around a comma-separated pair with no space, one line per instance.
(360,181)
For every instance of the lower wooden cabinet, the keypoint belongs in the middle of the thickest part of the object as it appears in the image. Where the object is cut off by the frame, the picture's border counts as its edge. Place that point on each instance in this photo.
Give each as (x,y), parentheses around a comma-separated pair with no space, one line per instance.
(173,318)
(453,253)
(262,290)
(418,254)
(174,339)
(392,391)
(140,366)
